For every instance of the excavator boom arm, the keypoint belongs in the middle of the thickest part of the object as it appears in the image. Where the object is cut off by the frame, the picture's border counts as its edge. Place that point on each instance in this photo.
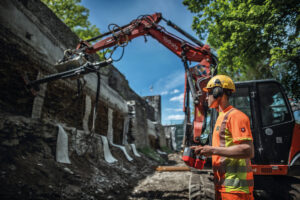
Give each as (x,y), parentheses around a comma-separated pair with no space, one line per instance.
(196,76)
(148,26)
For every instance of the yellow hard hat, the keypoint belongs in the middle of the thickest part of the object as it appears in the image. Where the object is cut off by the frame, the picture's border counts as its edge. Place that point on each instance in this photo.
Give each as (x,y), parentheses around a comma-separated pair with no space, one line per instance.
(222,81)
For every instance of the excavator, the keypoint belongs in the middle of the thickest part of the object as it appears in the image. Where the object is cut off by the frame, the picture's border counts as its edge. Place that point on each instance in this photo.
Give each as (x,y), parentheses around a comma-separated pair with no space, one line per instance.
(147,25)
(275,132)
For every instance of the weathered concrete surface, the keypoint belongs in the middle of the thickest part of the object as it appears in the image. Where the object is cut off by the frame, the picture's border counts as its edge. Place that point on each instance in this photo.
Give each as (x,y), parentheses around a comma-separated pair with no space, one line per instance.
(138,128)
(21,53)
(155,102)
(33,39)
(30,29)
(170,137)
(161,135)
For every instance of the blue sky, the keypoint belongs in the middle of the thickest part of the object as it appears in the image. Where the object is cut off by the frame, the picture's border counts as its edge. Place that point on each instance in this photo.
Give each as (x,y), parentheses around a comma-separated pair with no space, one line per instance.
(148,65)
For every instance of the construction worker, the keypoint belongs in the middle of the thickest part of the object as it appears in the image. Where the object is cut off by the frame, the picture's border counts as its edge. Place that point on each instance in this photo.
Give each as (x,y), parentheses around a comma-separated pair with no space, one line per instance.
(232,146)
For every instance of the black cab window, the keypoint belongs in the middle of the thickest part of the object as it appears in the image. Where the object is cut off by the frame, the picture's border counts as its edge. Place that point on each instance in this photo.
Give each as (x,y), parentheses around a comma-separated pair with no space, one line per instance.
(241,100)
(273,107)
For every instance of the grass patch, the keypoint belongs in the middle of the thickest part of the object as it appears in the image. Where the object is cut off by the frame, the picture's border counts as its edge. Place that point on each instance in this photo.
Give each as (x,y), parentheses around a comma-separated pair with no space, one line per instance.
(151,153)
(166,149)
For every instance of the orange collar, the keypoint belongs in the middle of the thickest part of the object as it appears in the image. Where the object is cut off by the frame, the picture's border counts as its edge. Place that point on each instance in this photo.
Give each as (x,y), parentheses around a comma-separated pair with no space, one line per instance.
(227,109)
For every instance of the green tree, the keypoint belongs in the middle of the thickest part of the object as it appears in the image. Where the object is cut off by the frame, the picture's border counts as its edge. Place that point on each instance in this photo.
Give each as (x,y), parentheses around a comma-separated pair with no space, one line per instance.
(74,16)
(254,39)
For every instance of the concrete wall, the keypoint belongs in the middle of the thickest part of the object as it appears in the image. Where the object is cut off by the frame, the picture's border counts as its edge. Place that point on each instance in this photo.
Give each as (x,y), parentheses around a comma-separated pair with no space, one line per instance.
(161,135)
(32,41)
(36,28)
(155,102)
(170,136)
(174,136)
(138,128)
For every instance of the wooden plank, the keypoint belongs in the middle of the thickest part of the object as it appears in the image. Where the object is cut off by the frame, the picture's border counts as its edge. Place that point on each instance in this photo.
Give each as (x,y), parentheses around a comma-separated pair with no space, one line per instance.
(173,168)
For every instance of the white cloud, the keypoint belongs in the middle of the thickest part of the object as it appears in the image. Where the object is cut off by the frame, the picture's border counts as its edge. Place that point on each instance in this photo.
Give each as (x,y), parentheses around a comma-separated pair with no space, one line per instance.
(174,109)
(164,93)
(175,117)
(178,98)
(175,91)
(167,83)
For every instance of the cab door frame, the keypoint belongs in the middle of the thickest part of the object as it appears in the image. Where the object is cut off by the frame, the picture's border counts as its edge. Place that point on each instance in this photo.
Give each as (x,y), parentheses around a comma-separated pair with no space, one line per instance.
(274,139)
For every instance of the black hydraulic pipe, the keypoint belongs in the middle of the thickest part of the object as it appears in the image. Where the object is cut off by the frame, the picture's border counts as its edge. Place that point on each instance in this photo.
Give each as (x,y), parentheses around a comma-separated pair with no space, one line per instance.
(180,30)
(190,80)
(187,120)
(105,34)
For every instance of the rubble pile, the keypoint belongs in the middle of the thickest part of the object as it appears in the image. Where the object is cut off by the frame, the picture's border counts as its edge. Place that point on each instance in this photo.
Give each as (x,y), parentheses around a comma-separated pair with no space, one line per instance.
(29,169)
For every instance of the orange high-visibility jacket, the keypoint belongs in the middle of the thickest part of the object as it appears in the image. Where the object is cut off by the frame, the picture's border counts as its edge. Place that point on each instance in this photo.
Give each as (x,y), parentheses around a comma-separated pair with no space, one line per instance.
(231,174)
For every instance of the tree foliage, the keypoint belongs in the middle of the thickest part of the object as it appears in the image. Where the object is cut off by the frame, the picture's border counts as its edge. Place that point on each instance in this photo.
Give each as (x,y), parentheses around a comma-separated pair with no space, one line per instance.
(75,16)
(254,39)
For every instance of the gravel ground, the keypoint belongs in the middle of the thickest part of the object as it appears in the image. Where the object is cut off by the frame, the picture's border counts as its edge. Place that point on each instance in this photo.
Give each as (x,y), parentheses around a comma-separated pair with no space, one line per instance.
(164,185)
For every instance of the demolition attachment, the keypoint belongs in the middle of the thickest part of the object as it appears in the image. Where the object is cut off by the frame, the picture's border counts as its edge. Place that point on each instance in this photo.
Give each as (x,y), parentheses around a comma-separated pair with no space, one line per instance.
(74,73)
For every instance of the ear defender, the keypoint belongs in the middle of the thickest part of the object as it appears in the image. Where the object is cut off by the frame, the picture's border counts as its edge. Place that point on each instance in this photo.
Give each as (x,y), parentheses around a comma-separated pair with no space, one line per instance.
(218,92)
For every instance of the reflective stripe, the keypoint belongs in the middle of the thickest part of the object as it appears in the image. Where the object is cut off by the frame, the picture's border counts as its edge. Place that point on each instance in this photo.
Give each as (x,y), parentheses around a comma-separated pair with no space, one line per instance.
(232,169)
(223,127)
(234,182)
(222,135)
